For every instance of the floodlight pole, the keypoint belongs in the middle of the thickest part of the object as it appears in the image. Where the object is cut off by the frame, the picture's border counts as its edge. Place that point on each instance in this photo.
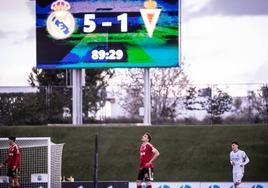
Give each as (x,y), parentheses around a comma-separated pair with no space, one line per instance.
(77,96)
(147,97)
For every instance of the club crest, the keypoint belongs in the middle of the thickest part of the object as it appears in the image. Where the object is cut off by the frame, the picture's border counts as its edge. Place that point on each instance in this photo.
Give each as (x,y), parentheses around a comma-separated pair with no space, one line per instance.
(60,23)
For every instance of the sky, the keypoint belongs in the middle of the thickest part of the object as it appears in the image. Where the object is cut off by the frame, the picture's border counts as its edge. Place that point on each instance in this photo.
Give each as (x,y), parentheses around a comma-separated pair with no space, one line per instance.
(222,41)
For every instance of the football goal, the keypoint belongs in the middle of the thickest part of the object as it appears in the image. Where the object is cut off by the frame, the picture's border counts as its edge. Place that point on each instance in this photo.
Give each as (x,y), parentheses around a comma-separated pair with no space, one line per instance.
(40,164)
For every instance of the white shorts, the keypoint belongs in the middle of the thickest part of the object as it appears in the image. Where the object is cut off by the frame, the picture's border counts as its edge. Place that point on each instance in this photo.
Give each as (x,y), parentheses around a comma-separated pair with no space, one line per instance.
(237,177)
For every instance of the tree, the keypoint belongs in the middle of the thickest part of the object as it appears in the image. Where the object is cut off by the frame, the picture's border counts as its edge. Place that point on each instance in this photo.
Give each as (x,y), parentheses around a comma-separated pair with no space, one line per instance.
(167,86)
(218,105)
(193,99)
(94,93)
(47,77)
(257,109)
(53,94)
(131,91)
(53,84)
(238,106)
(20,109)
(11,106)
(264,96)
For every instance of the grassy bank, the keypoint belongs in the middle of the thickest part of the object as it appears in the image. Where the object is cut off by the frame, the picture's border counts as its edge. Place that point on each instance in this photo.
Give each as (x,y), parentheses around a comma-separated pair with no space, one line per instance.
(190,153)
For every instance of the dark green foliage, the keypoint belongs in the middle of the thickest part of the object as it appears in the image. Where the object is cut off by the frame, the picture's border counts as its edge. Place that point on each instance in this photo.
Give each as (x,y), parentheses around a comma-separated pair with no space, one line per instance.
(167,86)
(94,94)
(218,105)
(21,108)
(58,92)
(192,100)
(258,102)
(53,95)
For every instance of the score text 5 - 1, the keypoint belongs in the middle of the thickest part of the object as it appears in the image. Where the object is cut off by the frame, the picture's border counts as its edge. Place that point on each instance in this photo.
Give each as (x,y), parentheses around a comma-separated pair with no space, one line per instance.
(90,24)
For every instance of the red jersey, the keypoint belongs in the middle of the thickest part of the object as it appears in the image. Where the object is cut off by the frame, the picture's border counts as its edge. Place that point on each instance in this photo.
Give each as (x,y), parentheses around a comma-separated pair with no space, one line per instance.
(13,157)
(146,154)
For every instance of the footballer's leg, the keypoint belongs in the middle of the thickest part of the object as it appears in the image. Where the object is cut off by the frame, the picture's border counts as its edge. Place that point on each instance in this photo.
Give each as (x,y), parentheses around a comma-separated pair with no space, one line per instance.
(236,179)
(148,184)
(16,178)
(11,182)
(239,179)
(140,178)
(139,183)
(10,174)
(13,178)
(149,177)
(16,183)
(238,185)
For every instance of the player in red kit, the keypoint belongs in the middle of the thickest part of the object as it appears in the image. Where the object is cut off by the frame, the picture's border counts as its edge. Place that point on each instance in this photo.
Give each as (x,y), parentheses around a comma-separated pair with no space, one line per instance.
(148,153)
(13,163)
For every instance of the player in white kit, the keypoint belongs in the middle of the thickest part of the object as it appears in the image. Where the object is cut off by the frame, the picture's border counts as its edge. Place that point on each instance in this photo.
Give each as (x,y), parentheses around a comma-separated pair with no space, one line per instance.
(238,160)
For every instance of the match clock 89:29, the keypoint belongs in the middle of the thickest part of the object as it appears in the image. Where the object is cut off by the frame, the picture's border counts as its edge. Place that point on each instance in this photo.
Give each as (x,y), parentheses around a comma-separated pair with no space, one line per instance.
(107,55)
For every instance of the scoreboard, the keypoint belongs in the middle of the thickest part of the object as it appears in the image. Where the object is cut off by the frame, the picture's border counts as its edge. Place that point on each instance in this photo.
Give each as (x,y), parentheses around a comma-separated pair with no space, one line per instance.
(107,33)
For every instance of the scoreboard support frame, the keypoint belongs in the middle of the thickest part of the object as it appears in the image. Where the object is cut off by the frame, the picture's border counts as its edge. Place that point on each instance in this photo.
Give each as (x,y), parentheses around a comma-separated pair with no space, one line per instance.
(77,97)
(147,97)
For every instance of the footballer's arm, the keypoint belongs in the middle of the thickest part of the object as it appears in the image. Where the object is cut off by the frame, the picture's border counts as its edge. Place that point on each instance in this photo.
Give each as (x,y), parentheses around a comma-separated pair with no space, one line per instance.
(155,156)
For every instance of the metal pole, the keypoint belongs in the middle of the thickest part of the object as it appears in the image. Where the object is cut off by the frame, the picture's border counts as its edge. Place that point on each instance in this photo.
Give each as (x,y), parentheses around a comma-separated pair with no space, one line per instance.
(77,96)
(49,162)
(96,157)
(147,97)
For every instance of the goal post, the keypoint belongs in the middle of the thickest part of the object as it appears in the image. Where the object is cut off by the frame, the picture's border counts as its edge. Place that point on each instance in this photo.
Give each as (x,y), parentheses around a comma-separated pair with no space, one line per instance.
(40,164)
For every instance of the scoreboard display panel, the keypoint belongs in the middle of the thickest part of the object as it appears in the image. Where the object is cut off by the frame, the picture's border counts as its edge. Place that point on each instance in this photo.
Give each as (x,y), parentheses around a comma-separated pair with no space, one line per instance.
(107,33)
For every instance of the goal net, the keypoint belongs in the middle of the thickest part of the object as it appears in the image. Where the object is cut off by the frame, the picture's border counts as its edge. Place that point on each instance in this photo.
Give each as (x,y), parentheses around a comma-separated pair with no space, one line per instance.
(40,165)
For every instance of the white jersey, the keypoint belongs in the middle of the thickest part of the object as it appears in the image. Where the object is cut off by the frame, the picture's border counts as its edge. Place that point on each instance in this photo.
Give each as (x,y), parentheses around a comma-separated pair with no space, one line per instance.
(239,159)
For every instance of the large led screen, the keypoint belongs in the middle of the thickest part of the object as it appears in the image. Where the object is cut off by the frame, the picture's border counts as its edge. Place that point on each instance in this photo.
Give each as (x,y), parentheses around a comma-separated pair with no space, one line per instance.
(107,33)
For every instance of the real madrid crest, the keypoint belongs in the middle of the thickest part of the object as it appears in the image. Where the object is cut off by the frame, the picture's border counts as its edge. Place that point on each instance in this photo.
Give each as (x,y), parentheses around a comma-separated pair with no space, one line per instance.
(60,23)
